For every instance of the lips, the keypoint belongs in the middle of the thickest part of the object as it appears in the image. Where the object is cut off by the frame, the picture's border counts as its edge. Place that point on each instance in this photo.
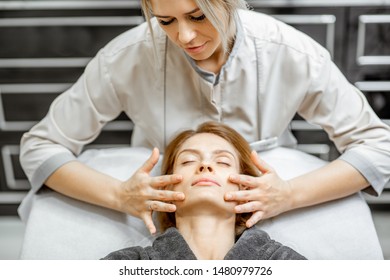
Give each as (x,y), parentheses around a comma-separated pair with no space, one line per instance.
(205,182)
(196,49)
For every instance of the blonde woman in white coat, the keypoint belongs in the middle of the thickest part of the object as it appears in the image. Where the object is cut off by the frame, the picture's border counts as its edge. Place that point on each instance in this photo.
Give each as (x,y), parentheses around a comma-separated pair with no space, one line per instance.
(197,60)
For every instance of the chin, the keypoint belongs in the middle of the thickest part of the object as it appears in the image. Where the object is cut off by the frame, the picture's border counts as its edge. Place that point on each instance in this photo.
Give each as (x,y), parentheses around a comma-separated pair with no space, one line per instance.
(200,56)
(206,201)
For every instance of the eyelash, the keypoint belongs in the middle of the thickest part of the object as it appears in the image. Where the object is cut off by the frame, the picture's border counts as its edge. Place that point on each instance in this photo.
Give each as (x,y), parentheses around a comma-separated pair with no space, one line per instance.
(200,18)
(219,162)
(163,22)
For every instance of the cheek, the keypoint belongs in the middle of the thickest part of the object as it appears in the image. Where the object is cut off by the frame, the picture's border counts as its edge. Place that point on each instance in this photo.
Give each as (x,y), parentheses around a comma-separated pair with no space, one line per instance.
(183,185)
(171,36)
(177,187)
(229,185)
(232,187)
(169,31)
(212,33)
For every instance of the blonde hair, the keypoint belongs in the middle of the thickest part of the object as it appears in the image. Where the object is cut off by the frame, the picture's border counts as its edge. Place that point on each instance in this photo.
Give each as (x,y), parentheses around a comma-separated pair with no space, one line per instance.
(220,13)
(166,220)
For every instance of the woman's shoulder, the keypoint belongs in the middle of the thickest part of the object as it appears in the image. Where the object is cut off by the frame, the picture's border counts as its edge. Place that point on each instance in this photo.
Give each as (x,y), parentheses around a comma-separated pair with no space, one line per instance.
(136,39)
(258,24)
(272,32)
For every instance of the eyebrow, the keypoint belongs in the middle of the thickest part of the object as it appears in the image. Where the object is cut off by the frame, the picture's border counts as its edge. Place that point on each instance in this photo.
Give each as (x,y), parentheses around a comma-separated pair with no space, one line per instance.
(191,12)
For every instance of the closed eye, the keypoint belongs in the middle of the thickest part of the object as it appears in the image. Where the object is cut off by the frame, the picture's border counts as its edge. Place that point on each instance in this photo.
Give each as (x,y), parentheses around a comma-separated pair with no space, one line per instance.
(187,162)
(163,22)
(200,18)
(168,22)
(224,163)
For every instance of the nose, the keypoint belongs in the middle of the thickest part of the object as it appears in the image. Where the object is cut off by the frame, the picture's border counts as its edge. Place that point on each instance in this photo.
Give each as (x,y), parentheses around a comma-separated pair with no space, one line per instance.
(205,167)
(186,33)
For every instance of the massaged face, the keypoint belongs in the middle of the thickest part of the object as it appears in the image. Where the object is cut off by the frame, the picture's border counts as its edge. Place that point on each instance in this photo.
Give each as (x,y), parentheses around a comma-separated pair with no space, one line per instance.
(187,27)
(205,161)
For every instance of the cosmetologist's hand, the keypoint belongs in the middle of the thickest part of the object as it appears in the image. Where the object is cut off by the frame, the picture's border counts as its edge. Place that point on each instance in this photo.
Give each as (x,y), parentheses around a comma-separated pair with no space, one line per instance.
(142,194)
(266,196)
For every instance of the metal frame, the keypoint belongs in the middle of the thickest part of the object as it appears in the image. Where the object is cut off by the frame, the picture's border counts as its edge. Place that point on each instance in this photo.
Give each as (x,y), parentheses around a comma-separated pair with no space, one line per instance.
(72,21)
(316,3)
(69,62)
(361,58)
(371,86)
(375,86)
(45,89)
(8,151)
(383,199)
(320,150)
(67,5)
(304,125)
(12,197)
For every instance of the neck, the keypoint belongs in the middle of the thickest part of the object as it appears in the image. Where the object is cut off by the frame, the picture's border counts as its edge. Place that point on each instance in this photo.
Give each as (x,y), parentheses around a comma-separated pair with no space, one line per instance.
(210,237)
(214,63)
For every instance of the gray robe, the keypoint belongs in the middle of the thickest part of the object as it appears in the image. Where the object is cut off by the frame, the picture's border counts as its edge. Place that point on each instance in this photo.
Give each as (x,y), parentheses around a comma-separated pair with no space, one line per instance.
(253,244)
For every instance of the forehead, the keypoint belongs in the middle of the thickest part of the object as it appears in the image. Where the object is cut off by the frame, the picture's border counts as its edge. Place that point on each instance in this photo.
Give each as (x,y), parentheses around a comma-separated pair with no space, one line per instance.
(172,6)
(208,142)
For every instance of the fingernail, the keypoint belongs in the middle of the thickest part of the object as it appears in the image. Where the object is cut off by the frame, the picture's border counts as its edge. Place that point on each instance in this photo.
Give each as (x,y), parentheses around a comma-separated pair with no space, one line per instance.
(234,177)
(178,178)
(238,209)
(228,196)
(180,196)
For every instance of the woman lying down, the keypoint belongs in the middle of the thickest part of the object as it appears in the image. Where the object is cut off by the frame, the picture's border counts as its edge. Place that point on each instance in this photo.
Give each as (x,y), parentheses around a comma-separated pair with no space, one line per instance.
(205,225)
